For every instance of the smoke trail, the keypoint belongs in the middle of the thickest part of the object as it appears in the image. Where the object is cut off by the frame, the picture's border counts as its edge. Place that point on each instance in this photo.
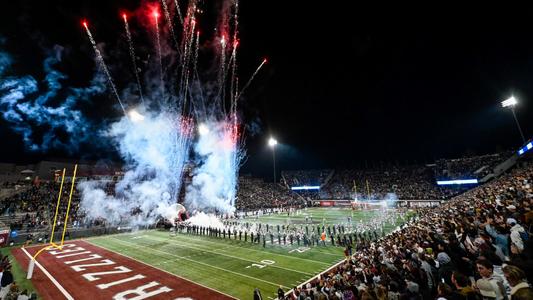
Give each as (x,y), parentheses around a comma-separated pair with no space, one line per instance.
(180,17)
(53,111)
(170,23)
(159,53)
(104,67)
(132,55)
(251,79)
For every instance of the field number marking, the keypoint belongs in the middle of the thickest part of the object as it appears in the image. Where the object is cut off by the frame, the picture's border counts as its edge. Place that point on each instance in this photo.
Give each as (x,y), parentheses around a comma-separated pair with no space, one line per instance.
(265,262)
(300,250)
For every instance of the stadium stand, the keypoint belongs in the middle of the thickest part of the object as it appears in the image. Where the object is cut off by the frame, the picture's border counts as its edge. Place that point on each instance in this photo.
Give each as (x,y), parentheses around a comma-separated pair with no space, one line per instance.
(306,178)
(481,235)
(469,167)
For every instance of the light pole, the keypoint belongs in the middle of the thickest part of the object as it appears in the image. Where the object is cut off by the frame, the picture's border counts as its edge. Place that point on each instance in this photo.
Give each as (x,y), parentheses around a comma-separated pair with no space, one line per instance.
(511,102)
(272,144)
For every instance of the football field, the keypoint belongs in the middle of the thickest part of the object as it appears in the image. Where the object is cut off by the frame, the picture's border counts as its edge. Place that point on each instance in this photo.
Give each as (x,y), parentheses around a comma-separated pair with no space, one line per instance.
(236,267)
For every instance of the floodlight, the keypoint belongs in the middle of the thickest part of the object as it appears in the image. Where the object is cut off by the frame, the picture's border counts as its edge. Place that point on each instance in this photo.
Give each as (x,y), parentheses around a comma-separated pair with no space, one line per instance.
(272,142)
(509,102)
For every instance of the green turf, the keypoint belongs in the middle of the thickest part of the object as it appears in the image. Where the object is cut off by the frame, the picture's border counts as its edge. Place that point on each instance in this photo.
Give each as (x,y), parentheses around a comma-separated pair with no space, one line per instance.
(232,266)
(323,216)
(19,274)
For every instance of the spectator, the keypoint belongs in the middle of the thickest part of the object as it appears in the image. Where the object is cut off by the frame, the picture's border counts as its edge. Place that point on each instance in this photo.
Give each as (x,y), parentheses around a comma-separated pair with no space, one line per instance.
(489,285)
(517,279)
(257,294)
(462,286)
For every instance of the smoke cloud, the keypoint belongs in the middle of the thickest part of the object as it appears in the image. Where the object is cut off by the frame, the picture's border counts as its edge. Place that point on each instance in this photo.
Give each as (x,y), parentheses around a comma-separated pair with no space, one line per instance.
(214,182)
(155,150)
(29,104)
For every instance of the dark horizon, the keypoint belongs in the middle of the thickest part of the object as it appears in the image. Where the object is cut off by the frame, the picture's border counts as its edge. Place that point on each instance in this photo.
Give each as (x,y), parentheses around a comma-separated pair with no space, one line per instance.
(341,88)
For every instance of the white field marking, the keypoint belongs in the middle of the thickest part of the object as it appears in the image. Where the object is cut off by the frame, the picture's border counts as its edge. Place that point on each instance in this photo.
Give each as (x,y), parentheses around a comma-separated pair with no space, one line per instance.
(73,254)
(270,253)
(164,262)
(103,262)
(162,270)
(250,249)
(93,276)
(151,250)
(317,248)
(234,257)
(104,286)
(92,256)
(312,278)
(325,253)
(54,281)
(55,252)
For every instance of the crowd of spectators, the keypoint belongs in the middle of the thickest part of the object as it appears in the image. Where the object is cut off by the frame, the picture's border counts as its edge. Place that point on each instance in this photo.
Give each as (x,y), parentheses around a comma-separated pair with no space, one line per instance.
(254,193)
(475,246)
(469,167)
(32,209)
(307,177)
(406,183)
(37,201)
(9,290)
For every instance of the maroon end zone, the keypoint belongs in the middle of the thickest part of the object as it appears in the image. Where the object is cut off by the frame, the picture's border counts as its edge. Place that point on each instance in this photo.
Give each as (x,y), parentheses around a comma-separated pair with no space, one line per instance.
(85,271)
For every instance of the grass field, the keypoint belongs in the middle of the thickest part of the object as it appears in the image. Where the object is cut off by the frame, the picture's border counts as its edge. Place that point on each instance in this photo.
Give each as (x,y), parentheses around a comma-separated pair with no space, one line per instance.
(327,216)
(232,266)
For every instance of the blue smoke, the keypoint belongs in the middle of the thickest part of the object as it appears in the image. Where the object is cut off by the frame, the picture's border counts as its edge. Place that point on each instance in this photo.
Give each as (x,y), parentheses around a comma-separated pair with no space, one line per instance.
(47,106)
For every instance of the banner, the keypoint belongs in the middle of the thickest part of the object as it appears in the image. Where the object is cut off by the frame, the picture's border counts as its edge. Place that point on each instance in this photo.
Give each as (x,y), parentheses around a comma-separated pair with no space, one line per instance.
(4,236)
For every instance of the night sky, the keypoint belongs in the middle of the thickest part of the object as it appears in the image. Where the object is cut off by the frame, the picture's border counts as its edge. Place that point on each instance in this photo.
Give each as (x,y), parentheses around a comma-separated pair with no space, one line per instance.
(344,86)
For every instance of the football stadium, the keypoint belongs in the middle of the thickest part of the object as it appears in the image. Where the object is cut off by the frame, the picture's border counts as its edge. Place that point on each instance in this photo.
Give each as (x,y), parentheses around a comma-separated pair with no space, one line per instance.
(191,149)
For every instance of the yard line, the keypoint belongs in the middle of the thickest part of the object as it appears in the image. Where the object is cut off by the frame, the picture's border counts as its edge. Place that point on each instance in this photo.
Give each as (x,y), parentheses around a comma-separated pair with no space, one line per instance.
(273,253)
(318,248)
(137,246)
(162,270)
(234,257)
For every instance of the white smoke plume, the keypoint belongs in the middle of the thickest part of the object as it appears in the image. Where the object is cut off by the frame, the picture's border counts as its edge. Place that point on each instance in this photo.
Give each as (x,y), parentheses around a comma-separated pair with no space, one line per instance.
(215,178)
(155,150)
(206,220)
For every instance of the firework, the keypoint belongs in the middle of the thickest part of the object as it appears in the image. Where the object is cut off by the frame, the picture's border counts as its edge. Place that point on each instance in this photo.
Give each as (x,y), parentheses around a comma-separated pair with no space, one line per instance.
(159,54)
(157,140)
(132,55)
(179,11)
(170,23)
(251,79)
(101,61)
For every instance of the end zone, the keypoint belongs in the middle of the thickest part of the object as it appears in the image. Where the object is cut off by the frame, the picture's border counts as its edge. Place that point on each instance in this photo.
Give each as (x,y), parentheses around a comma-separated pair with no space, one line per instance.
(84,271)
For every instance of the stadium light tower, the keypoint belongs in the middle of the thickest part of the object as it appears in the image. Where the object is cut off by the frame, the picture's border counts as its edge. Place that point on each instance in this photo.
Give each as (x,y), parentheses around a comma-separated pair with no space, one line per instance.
(272,144)
(511,102)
